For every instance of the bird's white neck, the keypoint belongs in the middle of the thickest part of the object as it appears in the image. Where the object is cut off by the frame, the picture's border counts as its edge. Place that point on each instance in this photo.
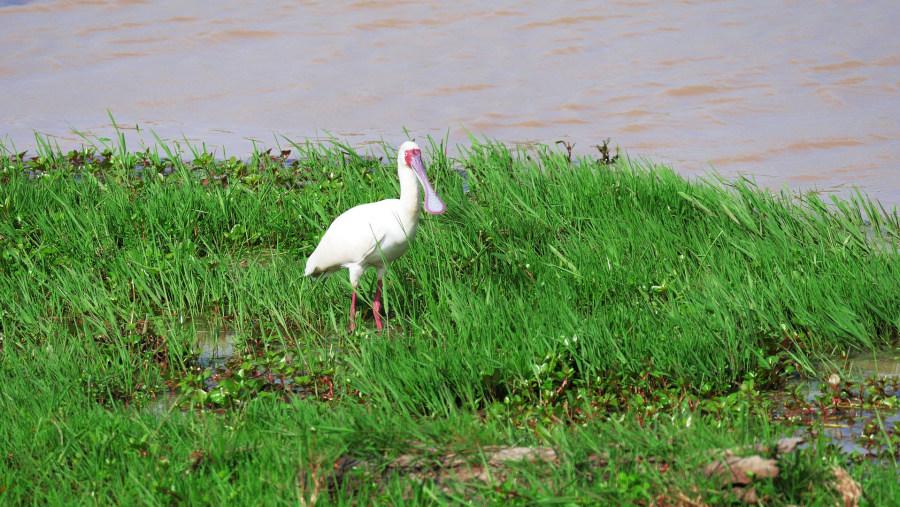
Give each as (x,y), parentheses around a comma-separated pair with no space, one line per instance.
(410,196)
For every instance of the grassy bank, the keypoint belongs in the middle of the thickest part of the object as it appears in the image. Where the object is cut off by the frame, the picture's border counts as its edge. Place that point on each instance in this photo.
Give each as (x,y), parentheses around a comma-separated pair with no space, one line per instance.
(610,311)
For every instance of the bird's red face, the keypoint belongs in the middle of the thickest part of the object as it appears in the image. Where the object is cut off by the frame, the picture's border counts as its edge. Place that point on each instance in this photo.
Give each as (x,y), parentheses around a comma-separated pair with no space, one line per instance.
(414,153)
(433,203)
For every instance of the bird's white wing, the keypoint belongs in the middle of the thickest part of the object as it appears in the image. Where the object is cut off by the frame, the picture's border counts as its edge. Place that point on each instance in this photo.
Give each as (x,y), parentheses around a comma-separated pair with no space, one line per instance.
(353,237)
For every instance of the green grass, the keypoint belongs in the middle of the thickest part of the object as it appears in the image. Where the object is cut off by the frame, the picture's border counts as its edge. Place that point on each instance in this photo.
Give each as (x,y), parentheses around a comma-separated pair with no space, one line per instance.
(613,309)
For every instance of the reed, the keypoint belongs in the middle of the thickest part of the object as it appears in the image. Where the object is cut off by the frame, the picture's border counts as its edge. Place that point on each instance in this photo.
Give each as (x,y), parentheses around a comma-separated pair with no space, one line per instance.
(560,301)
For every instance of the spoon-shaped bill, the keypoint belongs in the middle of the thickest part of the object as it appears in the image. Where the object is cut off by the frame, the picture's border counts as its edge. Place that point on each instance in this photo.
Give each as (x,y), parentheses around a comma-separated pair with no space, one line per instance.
(433,203)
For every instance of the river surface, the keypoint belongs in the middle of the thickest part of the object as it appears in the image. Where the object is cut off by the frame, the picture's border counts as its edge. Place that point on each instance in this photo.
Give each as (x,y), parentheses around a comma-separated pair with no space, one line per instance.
(803,94)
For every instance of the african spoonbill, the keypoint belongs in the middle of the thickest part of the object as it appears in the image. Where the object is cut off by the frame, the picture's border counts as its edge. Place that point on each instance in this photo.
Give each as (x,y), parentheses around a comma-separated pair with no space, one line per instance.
(375,234)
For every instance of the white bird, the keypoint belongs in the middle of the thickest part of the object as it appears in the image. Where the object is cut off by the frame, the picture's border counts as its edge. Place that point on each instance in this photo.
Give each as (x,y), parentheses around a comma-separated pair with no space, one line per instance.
(373,235)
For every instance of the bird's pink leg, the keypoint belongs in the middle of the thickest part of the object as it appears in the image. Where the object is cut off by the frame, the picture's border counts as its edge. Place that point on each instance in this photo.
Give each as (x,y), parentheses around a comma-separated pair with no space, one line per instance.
(376,305)
(352,309)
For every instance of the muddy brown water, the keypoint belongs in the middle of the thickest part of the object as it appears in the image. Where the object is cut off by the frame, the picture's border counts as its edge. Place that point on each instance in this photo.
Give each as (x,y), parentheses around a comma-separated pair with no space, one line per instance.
(805,94)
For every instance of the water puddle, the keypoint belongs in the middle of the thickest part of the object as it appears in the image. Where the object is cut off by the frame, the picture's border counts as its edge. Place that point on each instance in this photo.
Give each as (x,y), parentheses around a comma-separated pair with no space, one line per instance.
(884,366)
(216,346)
(228,369)
(858,409)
